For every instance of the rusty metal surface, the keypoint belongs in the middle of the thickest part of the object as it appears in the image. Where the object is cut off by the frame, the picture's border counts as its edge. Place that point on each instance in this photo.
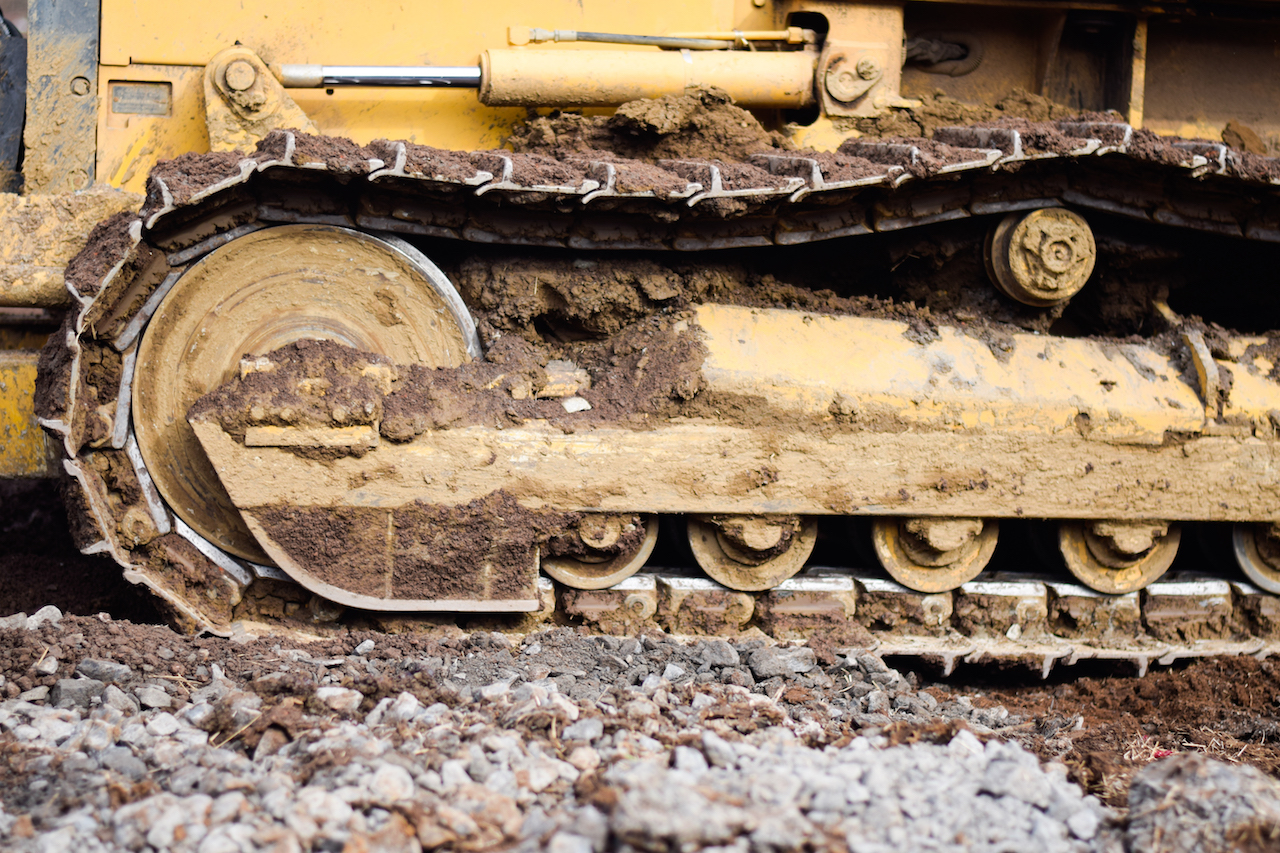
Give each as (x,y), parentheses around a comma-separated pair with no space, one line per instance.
(24,450)
(62,78)
(13,103)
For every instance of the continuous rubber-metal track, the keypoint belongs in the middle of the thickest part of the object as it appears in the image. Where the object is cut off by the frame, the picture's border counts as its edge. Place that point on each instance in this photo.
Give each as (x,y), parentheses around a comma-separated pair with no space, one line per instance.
(786,199)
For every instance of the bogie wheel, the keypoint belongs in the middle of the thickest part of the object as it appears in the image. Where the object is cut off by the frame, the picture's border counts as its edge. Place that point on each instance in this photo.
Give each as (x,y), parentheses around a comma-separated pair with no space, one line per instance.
(1117,557)
(257,293)
(749,553)
(1257,551)
(934,555)
(603,570)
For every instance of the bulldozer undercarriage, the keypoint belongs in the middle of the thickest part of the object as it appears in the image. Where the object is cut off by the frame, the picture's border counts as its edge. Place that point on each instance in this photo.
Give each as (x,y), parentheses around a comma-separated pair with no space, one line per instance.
(320,425)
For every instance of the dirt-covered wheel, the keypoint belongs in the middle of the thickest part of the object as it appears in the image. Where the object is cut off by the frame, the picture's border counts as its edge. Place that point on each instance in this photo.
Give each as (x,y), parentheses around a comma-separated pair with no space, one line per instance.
(751,553)
(258,293)
(615,549)
(1041,258)
(1118,557)
(165,317)
(934,555)
(1257,551)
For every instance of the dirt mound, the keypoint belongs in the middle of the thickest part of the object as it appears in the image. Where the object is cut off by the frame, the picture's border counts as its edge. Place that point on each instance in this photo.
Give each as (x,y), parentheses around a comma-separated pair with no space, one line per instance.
(703,123)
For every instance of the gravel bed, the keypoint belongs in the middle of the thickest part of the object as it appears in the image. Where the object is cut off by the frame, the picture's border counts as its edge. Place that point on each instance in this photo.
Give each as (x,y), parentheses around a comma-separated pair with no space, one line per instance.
(556,741)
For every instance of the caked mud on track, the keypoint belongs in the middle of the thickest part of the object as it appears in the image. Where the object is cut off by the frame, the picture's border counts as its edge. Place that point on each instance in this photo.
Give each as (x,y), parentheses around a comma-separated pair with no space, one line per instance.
(570,346)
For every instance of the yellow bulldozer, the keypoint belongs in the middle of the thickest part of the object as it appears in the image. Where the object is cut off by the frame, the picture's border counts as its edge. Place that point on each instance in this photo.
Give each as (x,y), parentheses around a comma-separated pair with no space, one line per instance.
(411,308)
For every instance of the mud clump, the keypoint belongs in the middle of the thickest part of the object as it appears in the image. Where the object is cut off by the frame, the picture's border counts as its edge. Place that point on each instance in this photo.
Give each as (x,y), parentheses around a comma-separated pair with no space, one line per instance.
(646,369)
(702,124)
(308,383)
(941,110)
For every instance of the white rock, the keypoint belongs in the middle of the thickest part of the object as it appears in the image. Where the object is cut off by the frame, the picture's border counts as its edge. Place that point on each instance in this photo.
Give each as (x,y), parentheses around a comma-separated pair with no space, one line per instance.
(588,729)
(153,697)
(227,807)
(114,697)
(567,842)
(702,700)
(183,821)
(405,707)
(364,648)
(58,841)
(572,405)
(585,758)
(391,783)
(496,690)
(543,774)
(47,614)
(54,730)
(672,672)
(453,773)
(35,694)
(132,821)
(1083,824)
(97,735)
(16,622)
(162,725)
(48,665)
(378,714)
(340,699)
(232,838)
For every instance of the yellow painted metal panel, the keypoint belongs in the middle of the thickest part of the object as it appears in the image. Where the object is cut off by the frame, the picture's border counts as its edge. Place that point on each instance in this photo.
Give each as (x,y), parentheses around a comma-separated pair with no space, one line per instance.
(153,53)
(1038,384)
(379,32)
(23,448)
(131,141)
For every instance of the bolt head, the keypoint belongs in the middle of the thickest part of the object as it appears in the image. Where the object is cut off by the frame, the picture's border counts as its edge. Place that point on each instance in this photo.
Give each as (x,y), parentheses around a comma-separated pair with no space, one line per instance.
(240,75)
(80,86)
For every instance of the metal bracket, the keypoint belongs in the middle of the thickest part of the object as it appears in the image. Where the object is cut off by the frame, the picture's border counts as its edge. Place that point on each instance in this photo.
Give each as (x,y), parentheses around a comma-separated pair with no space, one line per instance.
(1206,373)
(244,102)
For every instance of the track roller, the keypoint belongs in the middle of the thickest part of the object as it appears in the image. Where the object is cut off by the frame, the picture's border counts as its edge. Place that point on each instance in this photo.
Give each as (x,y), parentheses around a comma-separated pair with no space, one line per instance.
(1257,550)
(1043,257)
(615,547)
(751,553)
(934,554)
(1118,556)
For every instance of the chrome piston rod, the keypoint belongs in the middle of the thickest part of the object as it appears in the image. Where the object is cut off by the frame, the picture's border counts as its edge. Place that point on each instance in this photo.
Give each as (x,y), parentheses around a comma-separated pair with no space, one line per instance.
(431,77)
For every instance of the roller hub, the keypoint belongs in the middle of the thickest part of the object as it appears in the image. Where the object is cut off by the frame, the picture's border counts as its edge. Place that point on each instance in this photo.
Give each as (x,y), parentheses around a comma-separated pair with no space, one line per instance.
(1041,258)
(727,548)
(604,563)
(1257,551)
(934,554)
(1118,557)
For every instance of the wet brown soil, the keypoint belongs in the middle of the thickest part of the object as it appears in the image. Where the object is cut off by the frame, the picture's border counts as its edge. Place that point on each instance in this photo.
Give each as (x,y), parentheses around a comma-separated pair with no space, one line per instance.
(1107,728)
(940,110)
(704,124)
(188,174)
(39,565)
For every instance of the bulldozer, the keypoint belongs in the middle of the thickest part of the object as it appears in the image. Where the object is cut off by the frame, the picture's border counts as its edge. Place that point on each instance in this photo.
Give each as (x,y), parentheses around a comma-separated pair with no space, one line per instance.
(449,309)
